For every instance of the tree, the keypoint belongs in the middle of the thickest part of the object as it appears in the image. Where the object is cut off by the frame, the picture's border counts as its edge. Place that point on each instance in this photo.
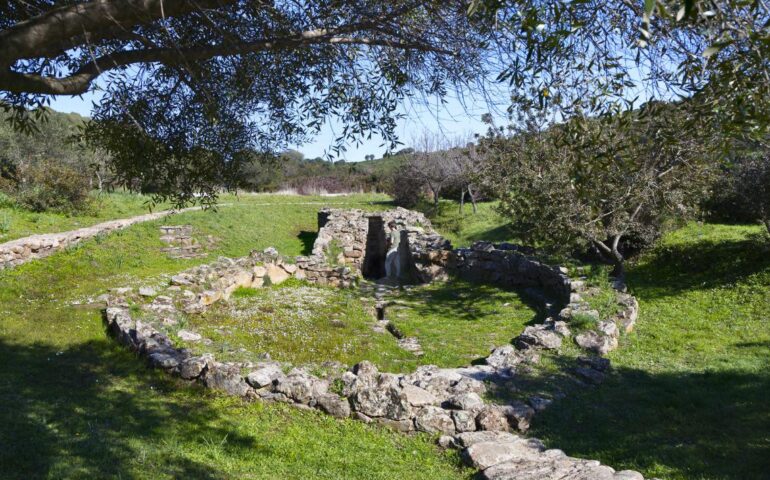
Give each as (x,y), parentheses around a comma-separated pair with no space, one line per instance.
(597,58)
(190,86)
(616,181)
(751,181)
(429,164)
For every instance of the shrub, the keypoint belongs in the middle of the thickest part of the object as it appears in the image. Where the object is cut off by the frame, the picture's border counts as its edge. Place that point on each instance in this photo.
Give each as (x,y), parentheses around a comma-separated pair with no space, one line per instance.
(405,188)
(53,186)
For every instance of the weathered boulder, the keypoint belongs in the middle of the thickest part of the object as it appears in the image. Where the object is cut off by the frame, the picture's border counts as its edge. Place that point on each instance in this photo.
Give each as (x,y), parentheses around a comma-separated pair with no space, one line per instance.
(416,396)
(434,420)
(276,274)
(503,357)
(333,405)
(465,440)
(484,455)
(147,292)
(209,297)
(193,367)
(465,421)
(596,342)
(466,401)
(518,415)
(491,418)
(222,376)
(538,337)
(264,375)
(301,386)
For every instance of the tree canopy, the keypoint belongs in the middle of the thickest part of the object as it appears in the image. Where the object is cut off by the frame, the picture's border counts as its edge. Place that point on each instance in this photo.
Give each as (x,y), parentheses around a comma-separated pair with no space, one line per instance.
(190,87)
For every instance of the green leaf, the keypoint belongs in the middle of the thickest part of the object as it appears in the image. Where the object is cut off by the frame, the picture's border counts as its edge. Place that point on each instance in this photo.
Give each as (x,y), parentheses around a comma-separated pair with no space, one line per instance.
(649,6)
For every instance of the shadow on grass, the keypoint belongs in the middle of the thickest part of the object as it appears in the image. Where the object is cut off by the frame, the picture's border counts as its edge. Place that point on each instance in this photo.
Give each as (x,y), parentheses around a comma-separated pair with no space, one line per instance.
(453,299)
(308,239)
(62,416)
(671,425)
(702,265)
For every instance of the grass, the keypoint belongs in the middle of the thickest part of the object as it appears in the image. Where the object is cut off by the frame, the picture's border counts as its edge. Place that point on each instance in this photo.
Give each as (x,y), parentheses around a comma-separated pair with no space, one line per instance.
(689,397)
(455,322)
(462,229)
(74,404)
(301,324)
(16,222)
(458,322)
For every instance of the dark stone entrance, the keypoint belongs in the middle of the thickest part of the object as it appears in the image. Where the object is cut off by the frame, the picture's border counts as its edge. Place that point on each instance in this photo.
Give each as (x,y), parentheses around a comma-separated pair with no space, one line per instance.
(376,249)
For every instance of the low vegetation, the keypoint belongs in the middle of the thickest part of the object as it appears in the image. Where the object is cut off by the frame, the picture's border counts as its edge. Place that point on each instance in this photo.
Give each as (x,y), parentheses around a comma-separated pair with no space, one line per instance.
(686,399)
(301,324)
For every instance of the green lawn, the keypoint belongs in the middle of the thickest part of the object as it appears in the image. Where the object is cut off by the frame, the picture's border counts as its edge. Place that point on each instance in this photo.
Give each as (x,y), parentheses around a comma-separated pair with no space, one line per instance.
(690,398)
(74,404)
(458,322)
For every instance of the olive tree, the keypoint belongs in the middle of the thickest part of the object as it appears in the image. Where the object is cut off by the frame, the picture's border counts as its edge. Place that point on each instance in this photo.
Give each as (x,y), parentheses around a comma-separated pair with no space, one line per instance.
(618,179)
(751,181)
(190,87)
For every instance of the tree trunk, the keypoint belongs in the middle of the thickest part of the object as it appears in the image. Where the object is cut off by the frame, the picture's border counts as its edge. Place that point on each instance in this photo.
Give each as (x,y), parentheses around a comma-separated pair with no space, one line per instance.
(473,199)
(462,200)
(613,255)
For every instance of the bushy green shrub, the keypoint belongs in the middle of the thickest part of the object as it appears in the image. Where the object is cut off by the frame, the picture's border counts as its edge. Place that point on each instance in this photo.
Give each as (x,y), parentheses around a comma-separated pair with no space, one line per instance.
(53,186)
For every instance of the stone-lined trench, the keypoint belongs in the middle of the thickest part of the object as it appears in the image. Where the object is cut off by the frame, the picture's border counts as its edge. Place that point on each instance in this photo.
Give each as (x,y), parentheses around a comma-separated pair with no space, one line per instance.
(395,246)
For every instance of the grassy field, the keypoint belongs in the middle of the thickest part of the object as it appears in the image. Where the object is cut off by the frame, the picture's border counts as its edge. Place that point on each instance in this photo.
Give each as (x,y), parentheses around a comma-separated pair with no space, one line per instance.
(688,398)
(690,393)
(17,222)
(76,405)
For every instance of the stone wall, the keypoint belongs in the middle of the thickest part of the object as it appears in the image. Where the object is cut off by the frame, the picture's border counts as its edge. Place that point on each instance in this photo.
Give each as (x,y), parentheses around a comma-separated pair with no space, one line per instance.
(348,232)
(22,250)
(443,401)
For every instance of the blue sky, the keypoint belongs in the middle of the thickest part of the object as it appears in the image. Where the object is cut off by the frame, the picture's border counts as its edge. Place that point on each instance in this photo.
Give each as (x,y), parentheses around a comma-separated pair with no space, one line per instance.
(455,118)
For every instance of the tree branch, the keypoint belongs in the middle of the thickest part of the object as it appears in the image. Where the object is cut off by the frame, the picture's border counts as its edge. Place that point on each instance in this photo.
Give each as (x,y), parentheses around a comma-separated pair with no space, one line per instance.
(79,81)
(50,33)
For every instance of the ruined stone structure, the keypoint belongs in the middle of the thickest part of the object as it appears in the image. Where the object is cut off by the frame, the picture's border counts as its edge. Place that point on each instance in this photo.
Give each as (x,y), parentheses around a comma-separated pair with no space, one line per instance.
(379,245)
(444,401)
